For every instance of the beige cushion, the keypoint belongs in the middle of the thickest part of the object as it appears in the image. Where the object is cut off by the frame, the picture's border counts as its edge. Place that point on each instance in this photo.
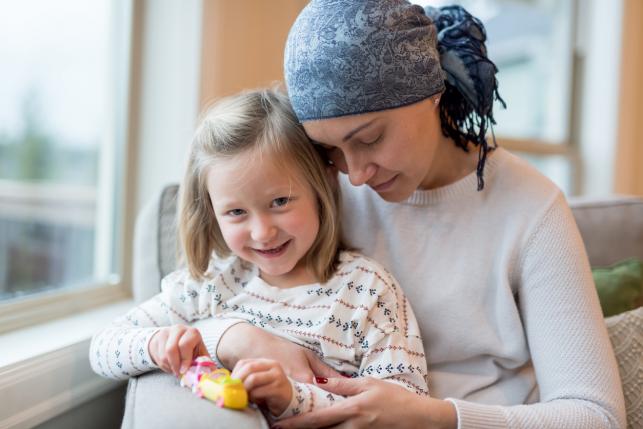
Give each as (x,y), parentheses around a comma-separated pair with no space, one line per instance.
(626,334)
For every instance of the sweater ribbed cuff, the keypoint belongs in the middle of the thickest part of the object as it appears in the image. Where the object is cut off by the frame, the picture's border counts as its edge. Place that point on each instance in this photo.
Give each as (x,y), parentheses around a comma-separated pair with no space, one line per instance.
(212,333)
(478,416)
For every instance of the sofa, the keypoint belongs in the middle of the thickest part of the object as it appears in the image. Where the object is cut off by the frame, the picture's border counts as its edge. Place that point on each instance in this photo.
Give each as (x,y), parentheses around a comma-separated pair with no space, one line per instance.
(612,230)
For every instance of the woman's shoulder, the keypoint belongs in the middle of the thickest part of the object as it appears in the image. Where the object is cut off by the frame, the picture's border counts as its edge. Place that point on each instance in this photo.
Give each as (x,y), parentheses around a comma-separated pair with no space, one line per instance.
(514,182)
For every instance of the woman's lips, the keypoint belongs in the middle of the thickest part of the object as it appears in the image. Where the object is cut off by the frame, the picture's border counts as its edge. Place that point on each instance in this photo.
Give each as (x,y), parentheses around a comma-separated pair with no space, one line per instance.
(385,186)
(273,252)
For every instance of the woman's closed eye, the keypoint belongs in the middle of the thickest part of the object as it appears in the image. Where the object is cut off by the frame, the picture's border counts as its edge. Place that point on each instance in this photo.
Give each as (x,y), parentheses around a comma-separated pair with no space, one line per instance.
(371,140)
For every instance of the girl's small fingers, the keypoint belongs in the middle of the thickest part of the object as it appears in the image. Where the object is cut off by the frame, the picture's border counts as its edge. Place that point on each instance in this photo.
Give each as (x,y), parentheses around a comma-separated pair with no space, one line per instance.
(258,379)
(188,347)
(172,352)
(245,367)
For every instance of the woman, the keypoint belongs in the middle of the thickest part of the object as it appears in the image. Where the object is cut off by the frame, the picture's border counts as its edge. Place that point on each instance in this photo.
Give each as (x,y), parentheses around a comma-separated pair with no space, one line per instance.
(485,248)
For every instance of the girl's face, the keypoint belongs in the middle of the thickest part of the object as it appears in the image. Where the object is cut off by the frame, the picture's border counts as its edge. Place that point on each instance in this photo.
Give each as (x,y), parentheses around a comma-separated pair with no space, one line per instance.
(394,151)
(267,216)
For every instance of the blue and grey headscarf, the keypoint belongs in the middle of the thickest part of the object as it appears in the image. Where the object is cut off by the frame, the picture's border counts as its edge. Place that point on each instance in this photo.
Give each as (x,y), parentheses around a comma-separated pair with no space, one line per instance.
(346,57)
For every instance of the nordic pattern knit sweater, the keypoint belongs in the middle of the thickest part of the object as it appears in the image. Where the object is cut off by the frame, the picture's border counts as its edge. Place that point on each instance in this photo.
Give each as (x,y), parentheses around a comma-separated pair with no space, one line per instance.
(359,322)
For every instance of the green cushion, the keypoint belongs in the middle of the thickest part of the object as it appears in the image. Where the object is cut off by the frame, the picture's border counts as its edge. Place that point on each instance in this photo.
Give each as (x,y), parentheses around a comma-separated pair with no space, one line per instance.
(620,286)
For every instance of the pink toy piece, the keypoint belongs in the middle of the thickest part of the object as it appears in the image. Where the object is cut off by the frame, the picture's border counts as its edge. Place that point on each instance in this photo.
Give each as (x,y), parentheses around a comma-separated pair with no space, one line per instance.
(198,367)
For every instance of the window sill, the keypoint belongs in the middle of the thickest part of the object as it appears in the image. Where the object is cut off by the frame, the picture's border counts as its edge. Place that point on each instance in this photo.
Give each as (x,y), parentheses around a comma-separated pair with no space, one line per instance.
(45,371)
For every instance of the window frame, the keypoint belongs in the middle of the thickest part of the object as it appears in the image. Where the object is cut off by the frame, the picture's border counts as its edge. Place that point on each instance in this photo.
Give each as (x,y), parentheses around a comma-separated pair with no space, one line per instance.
(115,216)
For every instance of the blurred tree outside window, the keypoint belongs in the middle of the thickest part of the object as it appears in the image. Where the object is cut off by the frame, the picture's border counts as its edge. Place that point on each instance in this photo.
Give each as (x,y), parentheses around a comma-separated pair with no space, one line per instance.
(57,62)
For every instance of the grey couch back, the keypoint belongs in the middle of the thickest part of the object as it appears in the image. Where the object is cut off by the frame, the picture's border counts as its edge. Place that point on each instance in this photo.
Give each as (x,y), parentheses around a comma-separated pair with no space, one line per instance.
(612,229)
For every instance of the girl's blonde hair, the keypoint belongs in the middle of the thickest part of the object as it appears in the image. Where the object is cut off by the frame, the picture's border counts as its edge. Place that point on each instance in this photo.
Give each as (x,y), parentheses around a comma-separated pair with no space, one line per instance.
(261,120)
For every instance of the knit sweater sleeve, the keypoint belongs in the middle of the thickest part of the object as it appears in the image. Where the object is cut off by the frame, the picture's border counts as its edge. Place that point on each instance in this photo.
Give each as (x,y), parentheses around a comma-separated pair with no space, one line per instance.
(573,359)
(391,350)
(121,349)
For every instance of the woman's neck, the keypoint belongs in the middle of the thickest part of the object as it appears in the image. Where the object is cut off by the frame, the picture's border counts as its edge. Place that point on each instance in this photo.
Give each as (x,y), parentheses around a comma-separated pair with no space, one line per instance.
(450,164)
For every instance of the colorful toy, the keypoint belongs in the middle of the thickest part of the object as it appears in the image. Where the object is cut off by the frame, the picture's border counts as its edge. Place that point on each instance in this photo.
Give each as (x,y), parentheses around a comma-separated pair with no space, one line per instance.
(206,381)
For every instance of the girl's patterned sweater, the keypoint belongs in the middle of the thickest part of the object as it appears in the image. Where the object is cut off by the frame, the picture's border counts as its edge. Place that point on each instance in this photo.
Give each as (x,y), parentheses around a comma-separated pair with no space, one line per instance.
(359,322)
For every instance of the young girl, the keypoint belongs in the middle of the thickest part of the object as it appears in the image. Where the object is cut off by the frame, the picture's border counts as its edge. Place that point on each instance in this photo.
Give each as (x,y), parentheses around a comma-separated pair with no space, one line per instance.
(260,231)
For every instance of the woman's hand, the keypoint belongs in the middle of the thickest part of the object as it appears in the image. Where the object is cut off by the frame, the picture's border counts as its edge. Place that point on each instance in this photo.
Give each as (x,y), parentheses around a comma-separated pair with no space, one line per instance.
(374,404)
(244,341)
(173,348)
(266,383)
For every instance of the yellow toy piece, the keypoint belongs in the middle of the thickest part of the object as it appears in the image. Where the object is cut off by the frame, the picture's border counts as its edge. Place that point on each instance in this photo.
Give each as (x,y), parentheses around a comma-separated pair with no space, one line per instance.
(223,390)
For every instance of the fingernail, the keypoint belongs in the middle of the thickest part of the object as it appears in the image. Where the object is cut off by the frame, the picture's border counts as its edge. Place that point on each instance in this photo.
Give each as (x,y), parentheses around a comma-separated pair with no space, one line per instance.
(345,375)
(321,380)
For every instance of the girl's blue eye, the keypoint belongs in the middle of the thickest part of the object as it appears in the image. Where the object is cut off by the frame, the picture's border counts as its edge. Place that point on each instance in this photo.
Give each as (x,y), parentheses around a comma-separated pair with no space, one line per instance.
(236,212)
(280,202)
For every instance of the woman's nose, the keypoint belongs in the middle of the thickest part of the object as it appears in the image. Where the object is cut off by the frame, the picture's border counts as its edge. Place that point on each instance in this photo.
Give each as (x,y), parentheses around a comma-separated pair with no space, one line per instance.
(263,230)
(360,170)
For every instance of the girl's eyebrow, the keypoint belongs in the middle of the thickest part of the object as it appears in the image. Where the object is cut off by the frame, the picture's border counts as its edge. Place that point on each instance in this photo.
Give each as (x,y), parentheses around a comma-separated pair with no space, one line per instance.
(357,129)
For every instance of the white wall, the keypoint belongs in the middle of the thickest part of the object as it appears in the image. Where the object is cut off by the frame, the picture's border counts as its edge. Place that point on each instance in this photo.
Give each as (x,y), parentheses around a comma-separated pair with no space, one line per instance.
(169,85)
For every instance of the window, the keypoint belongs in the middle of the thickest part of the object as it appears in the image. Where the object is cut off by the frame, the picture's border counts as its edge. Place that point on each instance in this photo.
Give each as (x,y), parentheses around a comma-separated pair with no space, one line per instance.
(63,86)
(532,44)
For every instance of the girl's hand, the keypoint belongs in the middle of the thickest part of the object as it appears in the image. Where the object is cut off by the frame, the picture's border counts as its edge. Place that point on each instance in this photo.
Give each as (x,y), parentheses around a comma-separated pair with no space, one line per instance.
(173,348)
(266,383)
(373,404)
(245,341)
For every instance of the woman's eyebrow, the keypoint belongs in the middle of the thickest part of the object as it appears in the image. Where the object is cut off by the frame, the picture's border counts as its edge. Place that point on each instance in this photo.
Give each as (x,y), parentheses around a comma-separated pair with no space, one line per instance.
(356,130)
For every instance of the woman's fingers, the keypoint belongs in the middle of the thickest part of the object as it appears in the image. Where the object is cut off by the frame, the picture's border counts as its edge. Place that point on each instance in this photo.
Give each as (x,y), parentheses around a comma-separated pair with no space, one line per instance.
(320,369)
(345,386)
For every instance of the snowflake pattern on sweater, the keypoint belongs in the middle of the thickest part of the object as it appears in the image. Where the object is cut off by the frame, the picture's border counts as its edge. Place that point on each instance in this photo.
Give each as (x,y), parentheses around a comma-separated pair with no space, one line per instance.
(359,322)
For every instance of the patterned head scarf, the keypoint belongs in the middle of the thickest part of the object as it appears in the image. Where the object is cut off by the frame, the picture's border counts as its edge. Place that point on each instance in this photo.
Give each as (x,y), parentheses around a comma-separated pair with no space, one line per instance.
(346,57)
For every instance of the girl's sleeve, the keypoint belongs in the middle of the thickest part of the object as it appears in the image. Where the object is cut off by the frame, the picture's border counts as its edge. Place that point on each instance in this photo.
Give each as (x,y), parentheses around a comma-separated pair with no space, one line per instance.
(573,359)
(392,351)
(121,350)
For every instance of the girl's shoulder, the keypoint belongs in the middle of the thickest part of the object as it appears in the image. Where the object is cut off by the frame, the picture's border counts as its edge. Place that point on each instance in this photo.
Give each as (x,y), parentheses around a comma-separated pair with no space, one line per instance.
(355,265)
(219,269)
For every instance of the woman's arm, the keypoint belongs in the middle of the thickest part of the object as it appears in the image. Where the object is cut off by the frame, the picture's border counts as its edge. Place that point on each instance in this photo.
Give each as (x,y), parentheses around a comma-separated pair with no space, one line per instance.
(575,368)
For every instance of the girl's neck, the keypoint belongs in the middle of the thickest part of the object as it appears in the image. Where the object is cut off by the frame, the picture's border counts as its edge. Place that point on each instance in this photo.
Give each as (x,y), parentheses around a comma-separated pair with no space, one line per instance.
(299,276)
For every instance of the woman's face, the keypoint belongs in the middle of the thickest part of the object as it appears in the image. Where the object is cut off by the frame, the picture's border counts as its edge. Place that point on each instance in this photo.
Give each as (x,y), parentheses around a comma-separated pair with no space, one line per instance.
(392,151)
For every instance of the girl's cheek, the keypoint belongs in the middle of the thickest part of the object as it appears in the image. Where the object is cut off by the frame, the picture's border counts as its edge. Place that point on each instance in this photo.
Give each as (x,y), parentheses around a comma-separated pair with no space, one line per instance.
(233,236)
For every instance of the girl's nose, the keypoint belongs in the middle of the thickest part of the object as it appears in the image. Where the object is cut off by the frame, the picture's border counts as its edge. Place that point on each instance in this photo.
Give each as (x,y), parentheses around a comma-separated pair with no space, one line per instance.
(263,230)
